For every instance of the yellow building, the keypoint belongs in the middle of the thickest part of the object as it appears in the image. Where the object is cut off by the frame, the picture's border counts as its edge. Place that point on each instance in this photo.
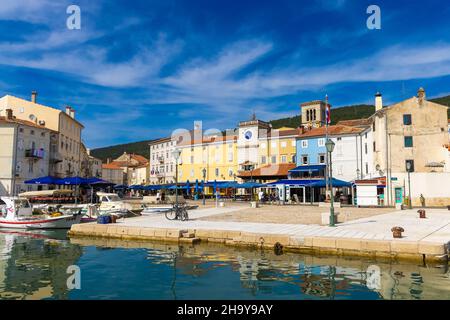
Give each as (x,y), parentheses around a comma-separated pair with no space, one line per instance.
(216,154)
(65,149)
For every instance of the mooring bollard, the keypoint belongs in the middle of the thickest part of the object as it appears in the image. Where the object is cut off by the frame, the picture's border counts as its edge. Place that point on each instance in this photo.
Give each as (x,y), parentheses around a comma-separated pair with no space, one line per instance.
(422,214)
(397,232)
(278,248)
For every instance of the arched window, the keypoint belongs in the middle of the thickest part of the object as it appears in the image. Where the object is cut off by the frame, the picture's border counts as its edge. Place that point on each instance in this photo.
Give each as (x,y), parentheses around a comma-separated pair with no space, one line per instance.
(307,115)
(314,114)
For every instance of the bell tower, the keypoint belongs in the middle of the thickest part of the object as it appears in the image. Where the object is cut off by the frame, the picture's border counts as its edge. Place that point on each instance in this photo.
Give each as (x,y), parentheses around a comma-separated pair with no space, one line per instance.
(313,114)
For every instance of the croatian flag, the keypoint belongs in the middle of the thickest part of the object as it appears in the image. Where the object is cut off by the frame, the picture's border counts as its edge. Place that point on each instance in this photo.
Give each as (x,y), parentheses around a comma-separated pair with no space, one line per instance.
(327,112)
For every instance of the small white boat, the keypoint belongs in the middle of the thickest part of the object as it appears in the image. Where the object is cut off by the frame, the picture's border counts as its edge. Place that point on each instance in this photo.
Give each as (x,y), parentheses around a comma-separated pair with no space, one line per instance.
(17,213)
(153,210)
(110,203)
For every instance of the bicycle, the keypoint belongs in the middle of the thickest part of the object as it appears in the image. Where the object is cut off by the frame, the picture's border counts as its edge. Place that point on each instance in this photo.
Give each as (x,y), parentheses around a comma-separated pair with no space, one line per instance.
(177,212)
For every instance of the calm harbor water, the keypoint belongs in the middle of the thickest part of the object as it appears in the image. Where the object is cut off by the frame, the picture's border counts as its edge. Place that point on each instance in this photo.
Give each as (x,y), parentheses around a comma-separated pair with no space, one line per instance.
(33,265)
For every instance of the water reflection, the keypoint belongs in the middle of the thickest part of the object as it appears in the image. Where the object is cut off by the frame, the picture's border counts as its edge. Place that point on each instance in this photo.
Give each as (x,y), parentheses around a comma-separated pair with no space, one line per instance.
(33,266)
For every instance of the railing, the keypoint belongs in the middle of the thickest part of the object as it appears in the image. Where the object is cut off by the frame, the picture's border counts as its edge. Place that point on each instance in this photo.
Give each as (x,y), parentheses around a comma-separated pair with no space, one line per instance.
(35,153)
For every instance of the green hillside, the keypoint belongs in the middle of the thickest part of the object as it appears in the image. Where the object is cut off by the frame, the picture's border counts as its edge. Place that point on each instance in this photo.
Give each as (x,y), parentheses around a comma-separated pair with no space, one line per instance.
(343,113)
(140,147)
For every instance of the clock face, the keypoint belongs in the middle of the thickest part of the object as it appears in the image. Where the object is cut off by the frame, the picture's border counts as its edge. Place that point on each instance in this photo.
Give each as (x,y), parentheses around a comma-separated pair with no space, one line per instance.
(248,135)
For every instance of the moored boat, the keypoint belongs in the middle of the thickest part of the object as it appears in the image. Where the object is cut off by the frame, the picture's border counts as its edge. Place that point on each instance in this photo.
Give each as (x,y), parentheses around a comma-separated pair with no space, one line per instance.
(17,213)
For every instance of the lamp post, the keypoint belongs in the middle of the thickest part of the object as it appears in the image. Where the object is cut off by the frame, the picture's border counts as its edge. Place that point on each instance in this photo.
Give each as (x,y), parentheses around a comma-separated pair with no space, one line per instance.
(176,154)
(204,177)
(310,188)
(330,147)
(408,168)
(234,189)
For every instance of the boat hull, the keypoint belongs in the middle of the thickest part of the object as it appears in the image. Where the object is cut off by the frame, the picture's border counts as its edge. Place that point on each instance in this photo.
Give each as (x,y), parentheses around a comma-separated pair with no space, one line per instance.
(62,222)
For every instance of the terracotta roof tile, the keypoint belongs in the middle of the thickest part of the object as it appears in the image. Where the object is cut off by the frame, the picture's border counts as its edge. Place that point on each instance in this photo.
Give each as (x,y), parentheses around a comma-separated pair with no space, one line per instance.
(332,131)
(111,166)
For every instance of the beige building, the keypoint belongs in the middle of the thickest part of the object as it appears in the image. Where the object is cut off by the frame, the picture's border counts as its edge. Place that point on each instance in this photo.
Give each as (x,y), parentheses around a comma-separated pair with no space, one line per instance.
(131,166)
(412,133)
(139,175)
(90,166)
(65,155)
(113,173)
(24,153)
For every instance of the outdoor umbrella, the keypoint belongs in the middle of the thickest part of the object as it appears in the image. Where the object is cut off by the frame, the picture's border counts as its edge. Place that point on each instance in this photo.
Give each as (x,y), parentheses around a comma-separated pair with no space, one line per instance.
(188,188)
(42,180)
(196,189)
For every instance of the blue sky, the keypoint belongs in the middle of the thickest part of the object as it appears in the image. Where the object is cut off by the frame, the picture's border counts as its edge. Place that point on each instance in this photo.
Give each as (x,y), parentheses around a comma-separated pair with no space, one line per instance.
(140,69)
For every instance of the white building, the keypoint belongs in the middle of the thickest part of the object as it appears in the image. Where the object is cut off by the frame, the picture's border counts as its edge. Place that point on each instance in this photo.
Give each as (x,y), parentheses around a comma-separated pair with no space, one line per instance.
(24,153)
(162,162)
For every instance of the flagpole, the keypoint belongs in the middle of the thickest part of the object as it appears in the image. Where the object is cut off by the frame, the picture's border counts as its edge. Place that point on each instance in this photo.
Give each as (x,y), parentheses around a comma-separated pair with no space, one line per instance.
(327,115)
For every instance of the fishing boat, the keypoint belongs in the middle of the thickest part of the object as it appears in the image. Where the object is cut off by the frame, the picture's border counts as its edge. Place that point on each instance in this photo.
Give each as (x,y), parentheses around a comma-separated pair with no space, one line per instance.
(110,203)
(17,213)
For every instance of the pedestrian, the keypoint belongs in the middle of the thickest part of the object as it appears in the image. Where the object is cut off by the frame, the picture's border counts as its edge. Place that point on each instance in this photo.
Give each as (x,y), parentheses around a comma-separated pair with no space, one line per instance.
(422,200)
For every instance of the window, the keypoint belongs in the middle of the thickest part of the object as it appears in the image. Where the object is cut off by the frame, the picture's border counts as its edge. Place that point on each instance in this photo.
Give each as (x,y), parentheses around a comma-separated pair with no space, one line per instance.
(410,164)
(273,144)
(294,159)
(273,159)
(293,143)
(339,138)
(192,172)
(407,119)
(283,159)
(365,148)
(304,159)
(283,144)
(192,159)
(374,147)
(408,142)
(373,126)
(230,156)
(367,168)
(321,142)
(321,158)
(217,172)
(304,144)
(32,132)
(20,129)
(263,145)
(263,159)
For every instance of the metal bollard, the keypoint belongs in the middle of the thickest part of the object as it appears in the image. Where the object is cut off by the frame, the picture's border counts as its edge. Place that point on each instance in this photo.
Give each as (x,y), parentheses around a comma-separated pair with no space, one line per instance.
(422,214)
(397,232)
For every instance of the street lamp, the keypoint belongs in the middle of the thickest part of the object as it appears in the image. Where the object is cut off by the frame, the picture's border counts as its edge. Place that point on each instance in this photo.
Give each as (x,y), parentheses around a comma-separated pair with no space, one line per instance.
(176,154)
(234,189)
(408,169)
(310,188)
(330,147)
(204,177)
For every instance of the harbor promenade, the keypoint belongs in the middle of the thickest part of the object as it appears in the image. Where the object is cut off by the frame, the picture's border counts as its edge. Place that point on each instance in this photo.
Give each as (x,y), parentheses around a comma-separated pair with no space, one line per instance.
(424,240)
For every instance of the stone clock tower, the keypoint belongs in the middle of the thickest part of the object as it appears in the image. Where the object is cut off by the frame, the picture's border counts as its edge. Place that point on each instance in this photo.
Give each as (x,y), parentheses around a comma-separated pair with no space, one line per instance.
(313,114)
(248,141)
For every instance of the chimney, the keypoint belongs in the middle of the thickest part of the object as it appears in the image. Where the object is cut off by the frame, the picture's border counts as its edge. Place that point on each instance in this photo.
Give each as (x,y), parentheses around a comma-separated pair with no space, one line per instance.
(68,110)
(378,102)
(33,96)
(9,114)
(72,113)
(108,160)
(421,94)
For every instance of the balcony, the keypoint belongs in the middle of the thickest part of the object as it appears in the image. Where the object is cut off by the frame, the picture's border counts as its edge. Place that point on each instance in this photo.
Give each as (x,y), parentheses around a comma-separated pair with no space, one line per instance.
(35,153)
(55,157)
(160,159)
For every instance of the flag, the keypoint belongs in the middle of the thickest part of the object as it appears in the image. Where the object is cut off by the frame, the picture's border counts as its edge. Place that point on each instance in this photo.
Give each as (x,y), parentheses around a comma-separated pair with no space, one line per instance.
(327,112)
